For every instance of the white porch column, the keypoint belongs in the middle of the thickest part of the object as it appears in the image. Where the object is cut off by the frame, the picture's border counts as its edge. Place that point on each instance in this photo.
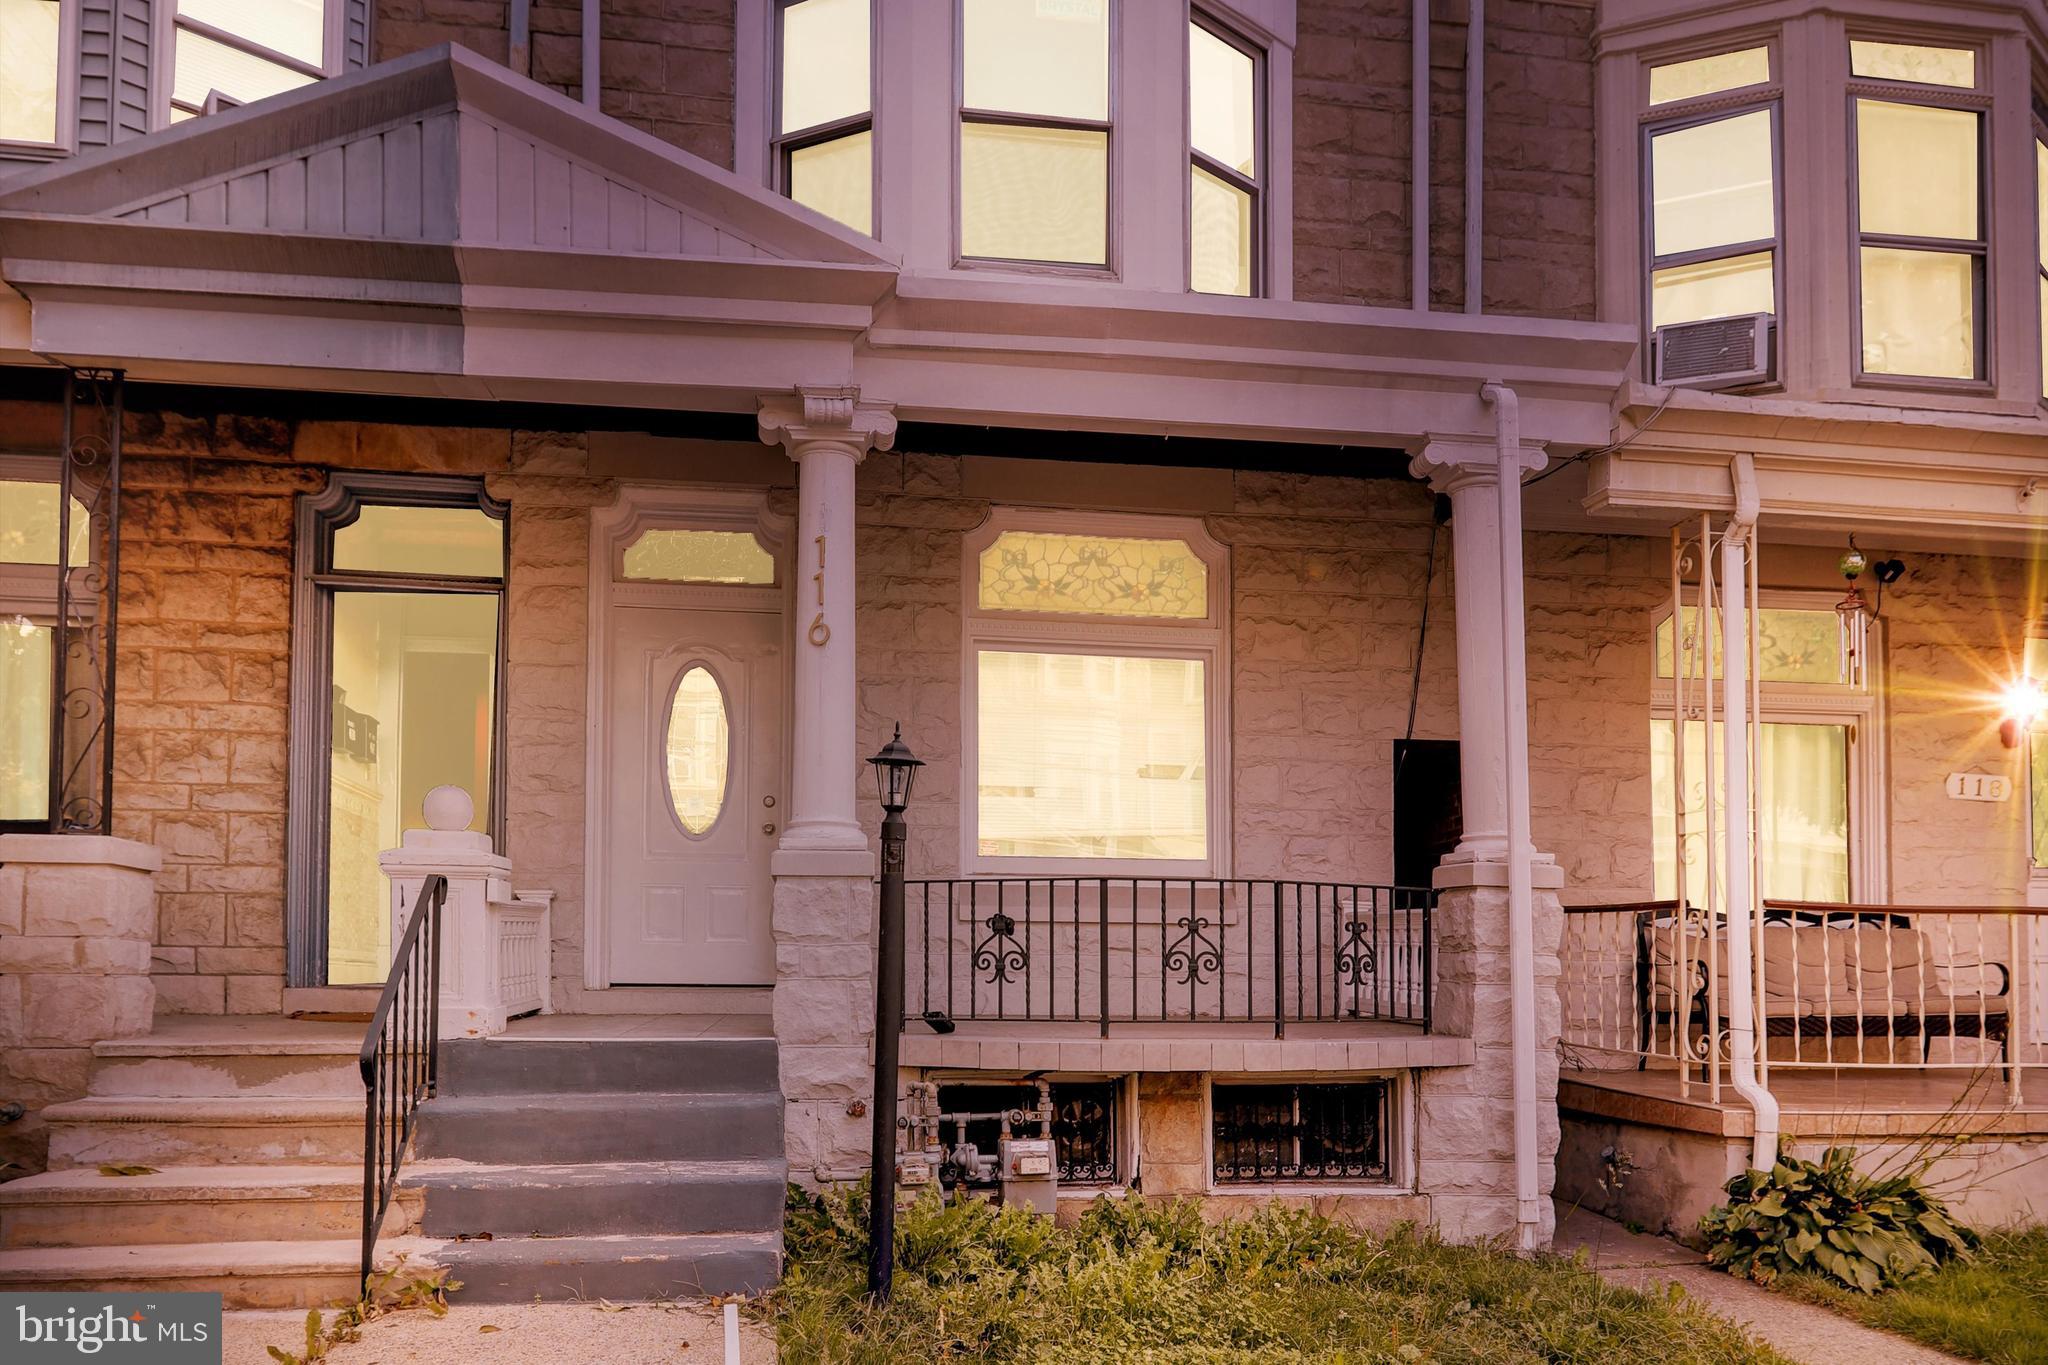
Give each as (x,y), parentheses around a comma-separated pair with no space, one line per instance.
(827,431)
(1468,470)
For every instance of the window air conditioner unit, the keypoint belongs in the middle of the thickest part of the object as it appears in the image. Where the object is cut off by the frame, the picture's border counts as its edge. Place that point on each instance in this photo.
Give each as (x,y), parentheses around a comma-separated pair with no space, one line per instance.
(1721,353)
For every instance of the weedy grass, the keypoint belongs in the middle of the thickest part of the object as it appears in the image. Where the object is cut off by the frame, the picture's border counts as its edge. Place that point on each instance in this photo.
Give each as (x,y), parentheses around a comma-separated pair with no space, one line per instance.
(1992,1307)
(1142,1281)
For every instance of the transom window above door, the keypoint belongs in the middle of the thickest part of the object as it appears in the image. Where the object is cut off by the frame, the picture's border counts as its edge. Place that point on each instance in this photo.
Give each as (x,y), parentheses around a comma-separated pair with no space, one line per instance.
(1093,696)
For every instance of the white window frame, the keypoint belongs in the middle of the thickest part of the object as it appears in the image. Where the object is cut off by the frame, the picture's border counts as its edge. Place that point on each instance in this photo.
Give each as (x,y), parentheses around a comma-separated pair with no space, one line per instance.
(167,21)
(1983,248)
(916,139)
(1653,119)
(782,144)
(66,141)
(1212,21)
(1860,709)
(1206,640)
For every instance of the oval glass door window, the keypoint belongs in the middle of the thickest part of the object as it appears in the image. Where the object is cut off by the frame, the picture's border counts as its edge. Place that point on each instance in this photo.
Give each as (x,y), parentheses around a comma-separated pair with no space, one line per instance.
(699,746)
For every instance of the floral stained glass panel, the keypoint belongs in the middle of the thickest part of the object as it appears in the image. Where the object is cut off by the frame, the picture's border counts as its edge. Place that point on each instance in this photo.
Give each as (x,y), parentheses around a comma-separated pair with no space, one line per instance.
(1094,576)
(1794,645)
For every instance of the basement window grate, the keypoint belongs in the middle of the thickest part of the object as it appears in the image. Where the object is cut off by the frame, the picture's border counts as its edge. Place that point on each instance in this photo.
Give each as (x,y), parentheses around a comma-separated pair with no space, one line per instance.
(1267,1134)
(1083,1129)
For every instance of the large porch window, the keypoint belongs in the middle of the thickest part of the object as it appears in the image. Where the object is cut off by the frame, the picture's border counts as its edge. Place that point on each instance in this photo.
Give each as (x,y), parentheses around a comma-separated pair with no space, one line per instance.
(29,564)
(398,627)
(1092,697)
(1812,765)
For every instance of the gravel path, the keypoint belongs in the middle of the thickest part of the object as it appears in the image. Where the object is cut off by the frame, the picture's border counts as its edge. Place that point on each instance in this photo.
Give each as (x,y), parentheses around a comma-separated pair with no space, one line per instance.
(1806,1333)
(527,1334)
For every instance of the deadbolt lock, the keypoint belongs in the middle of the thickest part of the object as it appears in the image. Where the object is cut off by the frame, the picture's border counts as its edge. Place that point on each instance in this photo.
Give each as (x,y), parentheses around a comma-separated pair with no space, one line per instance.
(768,801)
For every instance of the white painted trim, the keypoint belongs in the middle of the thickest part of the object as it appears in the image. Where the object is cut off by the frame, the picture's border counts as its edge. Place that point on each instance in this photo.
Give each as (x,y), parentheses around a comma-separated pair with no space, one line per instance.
(637,508)
(1207,641)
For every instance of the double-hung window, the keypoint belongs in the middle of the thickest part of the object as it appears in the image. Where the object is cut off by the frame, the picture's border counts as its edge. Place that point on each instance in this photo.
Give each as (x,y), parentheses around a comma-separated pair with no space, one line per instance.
(824,118)
(397,624)
(1094,742)
(1035,116)
(230,52)
(2041,230)
(29,565)
(31,72)
(1814,782)
(1224,200)
(1713,188)
(1917,116)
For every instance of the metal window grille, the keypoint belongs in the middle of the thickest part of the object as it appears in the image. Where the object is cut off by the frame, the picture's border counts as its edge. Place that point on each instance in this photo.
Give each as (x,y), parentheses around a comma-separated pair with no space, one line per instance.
(1083,1130)
(1336,1132)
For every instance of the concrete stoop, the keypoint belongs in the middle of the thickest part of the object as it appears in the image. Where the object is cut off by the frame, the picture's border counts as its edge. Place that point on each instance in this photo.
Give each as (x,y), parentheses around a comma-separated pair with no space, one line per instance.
(254,1127)
(606,1169)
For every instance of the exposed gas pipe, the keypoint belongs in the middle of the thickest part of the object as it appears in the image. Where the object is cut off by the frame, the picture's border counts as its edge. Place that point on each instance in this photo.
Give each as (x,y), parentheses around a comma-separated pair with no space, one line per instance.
(1741,890)
(1507,419)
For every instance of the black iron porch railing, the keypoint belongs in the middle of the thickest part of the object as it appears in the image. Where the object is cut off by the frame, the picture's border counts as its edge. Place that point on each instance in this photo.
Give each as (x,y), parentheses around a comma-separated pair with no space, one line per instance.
(1139,950)
(401,1057)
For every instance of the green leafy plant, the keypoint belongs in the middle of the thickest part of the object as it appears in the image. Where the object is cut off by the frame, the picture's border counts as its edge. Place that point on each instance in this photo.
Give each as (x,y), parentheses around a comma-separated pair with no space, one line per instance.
(393,1290)
(1865,1233)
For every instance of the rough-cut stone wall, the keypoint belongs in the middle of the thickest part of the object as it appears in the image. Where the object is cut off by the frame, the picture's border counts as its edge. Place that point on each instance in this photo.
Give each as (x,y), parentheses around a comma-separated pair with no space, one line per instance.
(1352,121)
(665,66)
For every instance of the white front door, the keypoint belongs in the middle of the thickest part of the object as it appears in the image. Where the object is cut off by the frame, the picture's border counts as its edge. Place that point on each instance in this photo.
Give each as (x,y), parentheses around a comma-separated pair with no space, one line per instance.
(696,800)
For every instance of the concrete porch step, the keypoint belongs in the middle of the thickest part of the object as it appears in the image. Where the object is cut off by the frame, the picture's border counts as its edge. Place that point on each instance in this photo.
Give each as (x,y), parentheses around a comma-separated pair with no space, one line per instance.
(544,1129)
(558,1269)
(231,1056)
(517,1066)
(193,1204)
(210,1131)
(599,1199)
(245,1274)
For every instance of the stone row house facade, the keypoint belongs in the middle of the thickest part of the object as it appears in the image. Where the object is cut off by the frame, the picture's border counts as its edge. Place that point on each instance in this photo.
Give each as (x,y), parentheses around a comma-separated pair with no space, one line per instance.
(633,415)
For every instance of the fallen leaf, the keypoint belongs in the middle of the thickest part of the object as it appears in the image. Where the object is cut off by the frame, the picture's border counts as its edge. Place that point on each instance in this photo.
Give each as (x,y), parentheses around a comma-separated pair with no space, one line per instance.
(487,1327)
(607,1306)
(116,1168)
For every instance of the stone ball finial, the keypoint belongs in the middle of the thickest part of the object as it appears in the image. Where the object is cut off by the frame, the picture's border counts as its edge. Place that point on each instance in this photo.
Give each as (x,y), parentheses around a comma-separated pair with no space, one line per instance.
(448,809)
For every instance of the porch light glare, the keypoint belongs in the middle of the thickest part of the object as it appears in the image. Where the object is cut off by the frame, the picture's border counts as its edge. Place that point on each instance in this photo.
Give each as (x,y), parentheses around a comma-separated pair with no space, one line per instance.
(2023,704)
(895,773)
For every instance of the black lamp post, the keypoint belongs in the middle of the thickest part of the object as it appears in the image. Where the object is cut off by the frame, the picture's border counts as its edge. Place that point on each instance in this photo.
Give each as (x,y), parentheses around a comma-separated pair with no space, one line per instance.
(895,773)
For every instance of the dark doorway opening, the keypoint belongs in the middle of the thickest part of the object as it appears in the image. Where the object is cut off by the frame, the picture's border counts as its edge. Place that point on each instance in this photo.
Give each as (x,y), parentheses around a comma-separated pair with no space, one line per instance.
(1429,810)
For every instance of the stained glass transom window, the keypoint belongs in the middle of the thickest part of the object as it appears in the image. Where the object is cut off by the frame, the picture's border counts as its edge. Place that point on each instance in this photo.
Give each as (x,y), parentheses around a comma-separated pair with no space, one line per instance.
(1094,576)
(1794,645)
(699,557)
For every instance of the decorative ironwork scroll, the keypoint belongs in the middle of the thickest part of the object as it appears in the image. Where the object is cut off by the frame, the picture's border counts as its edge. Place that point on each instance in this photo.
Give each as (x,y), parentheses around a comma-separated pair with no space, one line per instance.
(1194,954)
(1000,955)
(82,726)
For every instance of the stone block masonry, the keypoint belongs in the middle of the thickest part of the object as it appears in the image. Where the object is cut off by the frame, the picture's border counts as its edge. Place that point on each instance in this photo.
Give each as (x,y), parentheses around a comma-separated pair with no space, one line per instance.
(77,914)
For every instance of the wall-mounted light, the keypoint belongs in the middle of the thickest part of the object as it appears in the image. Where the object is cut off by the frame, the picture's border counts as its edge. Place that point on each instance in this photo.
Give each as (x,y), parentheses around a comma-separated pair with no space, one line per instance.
(1853,616)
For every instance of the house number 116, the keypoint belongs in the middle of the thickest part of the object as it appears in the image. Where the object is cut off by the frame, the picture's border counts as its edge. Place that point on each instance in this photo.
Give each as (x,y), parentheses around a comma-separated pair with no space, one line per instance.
(820,632)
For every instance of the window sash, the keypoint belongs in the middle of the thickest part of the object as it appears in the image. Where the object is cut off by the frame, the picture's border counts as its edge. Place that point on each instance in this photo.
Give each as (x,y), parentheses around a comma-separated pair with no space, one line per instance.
(1774,244)
(784,144)
(1252,186)
(246,46)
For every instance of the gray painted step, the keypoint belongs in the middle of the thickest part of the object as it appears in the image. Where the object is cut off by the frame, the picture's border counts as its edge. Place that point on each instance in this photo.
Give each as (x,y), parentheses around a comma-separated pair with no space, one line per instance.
(600,1199)
(531,1129)
(553,1066)
(557,1269)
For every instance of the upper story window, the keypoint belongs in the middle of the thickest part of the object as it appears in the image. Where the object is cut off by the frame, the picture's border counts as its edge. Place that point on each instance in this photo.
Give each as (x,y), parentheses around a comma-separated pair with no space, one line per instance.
(824,118)
(230,52)
(1093,698)
(1919,210)
(1714,236)
(2041,233)
(1035,117)
(31,48)
(1224,207)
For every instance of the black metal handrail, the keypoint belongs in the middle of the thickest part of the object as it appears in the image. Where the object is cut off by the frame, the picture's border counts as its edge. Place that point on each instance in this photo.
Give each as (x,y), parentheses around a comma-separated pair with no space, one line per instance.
(1138,950)
(401,1056)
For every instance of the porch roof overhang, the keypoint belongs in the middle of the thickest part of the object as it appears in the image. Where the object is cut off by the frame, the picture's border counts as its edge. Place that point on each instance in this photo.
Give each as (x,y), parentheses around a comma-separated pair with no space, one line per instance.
(436,226)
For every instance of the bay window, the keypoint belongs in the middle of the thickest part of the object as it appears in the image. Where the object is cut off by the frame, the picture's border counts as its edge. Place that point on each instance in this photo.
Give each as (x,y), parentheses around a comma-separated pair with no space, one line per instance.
(2041,240)
(1919,211)
(824,150)
(396,690)
(1714,218)
(31,50)
(1093,741)
(1035,119)
(1224,203)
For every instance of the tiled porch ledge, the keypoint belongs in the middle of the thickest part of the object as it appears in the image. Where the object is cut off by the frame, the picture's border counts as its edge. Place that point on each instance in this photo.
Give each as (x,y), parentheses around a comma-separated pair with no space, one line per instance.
(1222,1048)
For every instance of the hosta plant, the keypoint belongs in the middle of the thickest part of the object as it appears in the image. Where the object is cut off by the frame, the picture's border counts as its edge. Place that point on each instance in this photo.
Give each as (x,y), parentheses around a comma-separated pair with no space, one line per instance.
(1866,1233)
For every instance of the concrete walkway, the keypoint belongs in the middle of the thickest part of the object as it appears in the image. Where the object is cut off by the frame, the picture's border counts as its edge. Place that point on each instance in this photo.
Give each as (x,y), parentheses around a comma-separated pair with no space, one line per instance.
(525,1334)
(1805,1333)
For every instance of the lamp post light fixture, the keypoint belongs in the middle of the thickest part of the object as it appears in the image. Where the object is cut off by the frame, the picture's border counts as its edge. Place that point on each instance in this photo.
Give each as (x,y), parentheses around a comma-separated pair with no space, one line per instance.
(895,774)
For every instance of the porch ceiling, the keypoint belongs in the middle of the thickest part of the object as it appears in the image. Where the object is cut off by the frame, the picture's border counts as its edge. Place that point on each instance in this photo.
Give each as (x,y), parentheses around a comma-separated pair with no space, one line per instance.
(439,226)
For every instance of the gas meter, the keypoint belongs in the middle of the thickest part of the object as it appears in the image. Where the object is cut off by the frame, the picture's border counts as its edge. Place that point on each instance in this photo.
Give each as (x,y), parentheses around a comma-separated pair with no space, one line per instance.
(1022,1170)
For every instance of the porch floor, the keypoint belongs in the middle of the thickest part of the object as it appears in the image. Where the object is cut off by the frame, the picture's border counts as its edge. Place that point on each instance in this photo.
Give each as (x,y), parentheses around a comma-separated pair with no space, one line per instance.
(1367,1045)
(1841,1102)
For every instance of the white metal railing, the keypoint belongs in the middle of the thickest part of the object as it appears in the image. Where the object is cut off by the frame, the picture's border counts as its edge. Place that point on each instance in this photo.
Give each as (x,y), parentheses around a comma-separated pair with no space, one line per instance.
(1931,988)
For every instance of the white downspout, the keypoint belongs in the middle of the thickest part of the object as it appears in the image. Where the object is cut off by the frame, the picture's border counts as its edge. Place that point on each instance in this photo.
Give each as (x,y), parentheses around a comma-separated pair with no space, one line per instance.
(1418,160)
(1507,418)
(1738,827)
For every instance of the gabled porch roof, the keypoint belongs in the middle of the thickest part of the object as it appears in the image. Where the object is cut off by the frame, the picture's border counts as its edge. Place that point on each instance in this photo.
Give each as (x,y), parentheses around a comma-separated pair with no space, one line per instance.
(437,226)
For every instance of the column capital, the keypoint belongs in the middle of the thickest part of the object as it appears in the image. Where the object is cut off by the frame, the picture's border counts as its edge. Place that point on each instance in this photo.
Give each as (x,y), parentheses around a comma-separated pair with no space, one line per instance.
(834,416)
(1450,463)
